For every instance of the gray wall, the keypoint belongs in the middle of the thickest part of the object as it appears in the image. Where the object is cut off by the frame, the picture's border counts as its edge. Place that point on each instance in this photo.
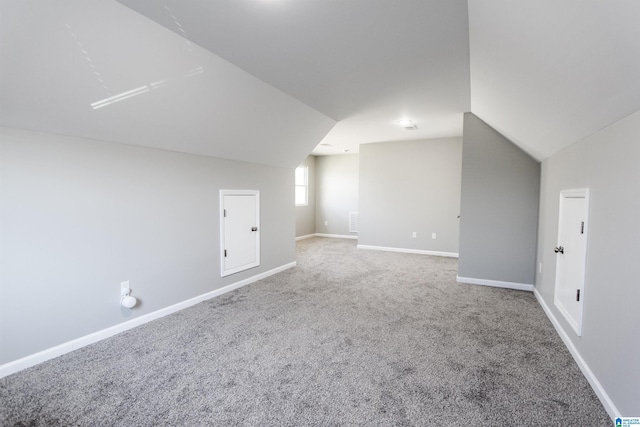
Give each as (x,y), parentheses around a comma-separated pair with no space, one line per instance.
(337,189)
(608,163)
(306,215)
(410,186)
(499,207)
(79,216)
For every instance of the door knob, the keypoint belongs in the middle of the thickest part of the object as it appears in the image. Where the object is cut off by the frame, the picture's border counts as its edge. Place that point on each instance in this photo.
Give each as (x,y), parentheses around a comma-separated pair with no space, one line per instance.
(254,228)
(559,249)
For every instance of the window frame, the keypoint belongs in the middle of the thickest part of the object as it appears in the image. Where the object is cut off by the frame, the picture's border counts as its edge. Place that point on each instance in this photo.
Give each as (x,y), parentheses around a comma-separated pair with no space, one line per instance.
(305,185)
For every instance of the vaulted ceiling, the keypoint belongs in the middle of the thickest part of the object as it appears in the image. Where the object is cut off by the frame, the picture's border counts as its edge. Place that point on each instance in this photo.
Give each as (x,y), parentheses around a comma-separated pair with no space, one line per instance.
(364,63)
(547,73)
(267,81)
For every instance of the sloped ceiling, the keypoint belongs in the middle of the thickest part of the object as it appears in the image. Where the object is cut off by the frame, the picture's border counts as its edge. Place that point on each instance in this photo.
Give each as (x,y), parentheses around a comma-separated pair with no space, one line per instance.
(365,63)
(99,70)
(265,81)
(547,73)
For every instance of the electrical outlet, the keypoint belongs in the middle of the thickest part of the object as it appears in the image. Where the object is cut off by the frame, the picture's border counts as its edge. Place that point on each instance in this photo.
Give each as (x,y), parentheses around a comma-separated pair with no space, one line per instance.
(124,288)
(539,267)
(326,223)
(433,236)
(414,234)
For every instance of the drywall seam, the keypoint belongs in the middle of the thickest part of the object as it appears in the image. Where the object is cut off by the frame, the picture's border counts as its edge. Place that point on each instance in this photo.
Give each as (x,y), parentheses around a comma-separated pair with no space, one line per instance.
(50,353)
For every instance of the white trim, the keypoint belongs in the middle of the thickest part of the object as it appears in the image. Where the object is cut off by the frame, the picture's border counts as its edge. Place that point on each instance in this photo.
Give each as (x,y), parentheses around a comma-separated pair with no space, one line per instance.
(336,236)
(59,350)
(409,251)
(575,192)
(306,236)
(496,283)
(586,371)
(333,236)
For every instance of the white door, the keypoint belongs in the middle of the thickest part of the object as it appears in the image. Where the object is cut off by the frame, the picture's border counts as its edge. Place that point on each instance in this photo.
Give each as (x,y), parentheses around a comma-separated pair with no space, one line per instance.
(571,255)
(239,230)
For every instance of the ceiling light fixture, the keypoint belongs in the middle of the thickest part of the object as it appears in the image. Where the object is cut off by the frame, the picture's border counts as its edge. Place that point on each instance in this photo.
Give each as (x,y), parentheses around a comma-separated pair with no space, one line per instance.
(407,124)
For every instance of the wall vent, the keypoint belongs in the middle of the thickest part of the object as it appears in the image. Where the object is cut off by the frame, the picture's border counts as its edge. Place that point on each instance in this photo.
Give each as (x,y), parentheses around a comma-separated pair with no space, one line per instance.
(353,222)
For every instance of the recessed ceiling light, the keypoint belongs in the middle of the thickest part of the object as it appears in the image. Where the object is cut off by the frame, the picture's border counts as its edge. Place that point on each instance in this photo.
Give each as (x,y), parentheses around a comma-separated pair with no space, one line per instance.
(407,124)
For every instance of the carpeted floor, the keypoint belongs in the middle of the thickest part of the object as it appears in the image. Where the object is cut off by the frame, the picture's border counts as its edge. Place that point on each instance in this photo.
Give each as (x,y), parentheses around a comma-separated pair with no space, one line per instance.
(348,337)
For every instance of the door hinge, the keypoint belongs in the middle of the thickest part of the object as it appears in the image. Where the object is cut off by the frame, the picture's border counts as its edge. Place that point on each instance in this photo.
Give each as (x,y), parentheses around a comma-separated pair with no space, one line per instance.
(577,294)
(225,253)
(582,227)
(224,213)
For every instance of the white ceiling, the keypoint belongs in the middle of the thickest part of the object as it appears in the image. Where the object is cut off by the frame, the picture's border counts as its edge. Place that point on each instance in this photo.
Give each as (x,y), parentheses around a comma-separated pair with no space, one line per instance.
(365,63)
(58,58)
(266,80)
(548,73)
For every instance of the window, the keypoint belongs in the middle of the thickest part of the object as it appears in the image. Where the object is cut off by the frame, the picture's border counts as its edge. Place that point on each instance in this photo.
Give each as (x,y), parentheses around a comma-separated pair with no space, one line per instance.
(302,186)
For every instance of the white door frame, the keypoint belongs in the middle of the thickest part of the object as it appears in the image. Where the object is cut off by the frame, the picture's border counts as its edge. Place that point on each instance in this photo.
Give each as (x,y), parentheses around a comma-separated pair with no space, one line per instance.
(576,324)
(224,272)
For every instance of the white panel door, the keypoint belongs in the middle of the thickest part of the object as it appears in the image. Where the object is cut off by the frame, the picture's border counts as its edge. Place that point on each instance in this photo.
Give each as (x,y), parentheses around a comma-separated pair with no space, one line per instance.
(571,256)
(239,230)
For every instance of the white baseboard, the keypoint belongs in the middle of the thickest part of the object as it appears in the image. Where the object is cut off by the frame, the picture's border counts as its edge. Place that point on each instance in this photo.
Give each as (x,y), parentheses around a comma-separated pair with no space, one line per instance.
(50,353)
(306,236)
(586,371)
(409,251)
(496,283)
(337,236)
